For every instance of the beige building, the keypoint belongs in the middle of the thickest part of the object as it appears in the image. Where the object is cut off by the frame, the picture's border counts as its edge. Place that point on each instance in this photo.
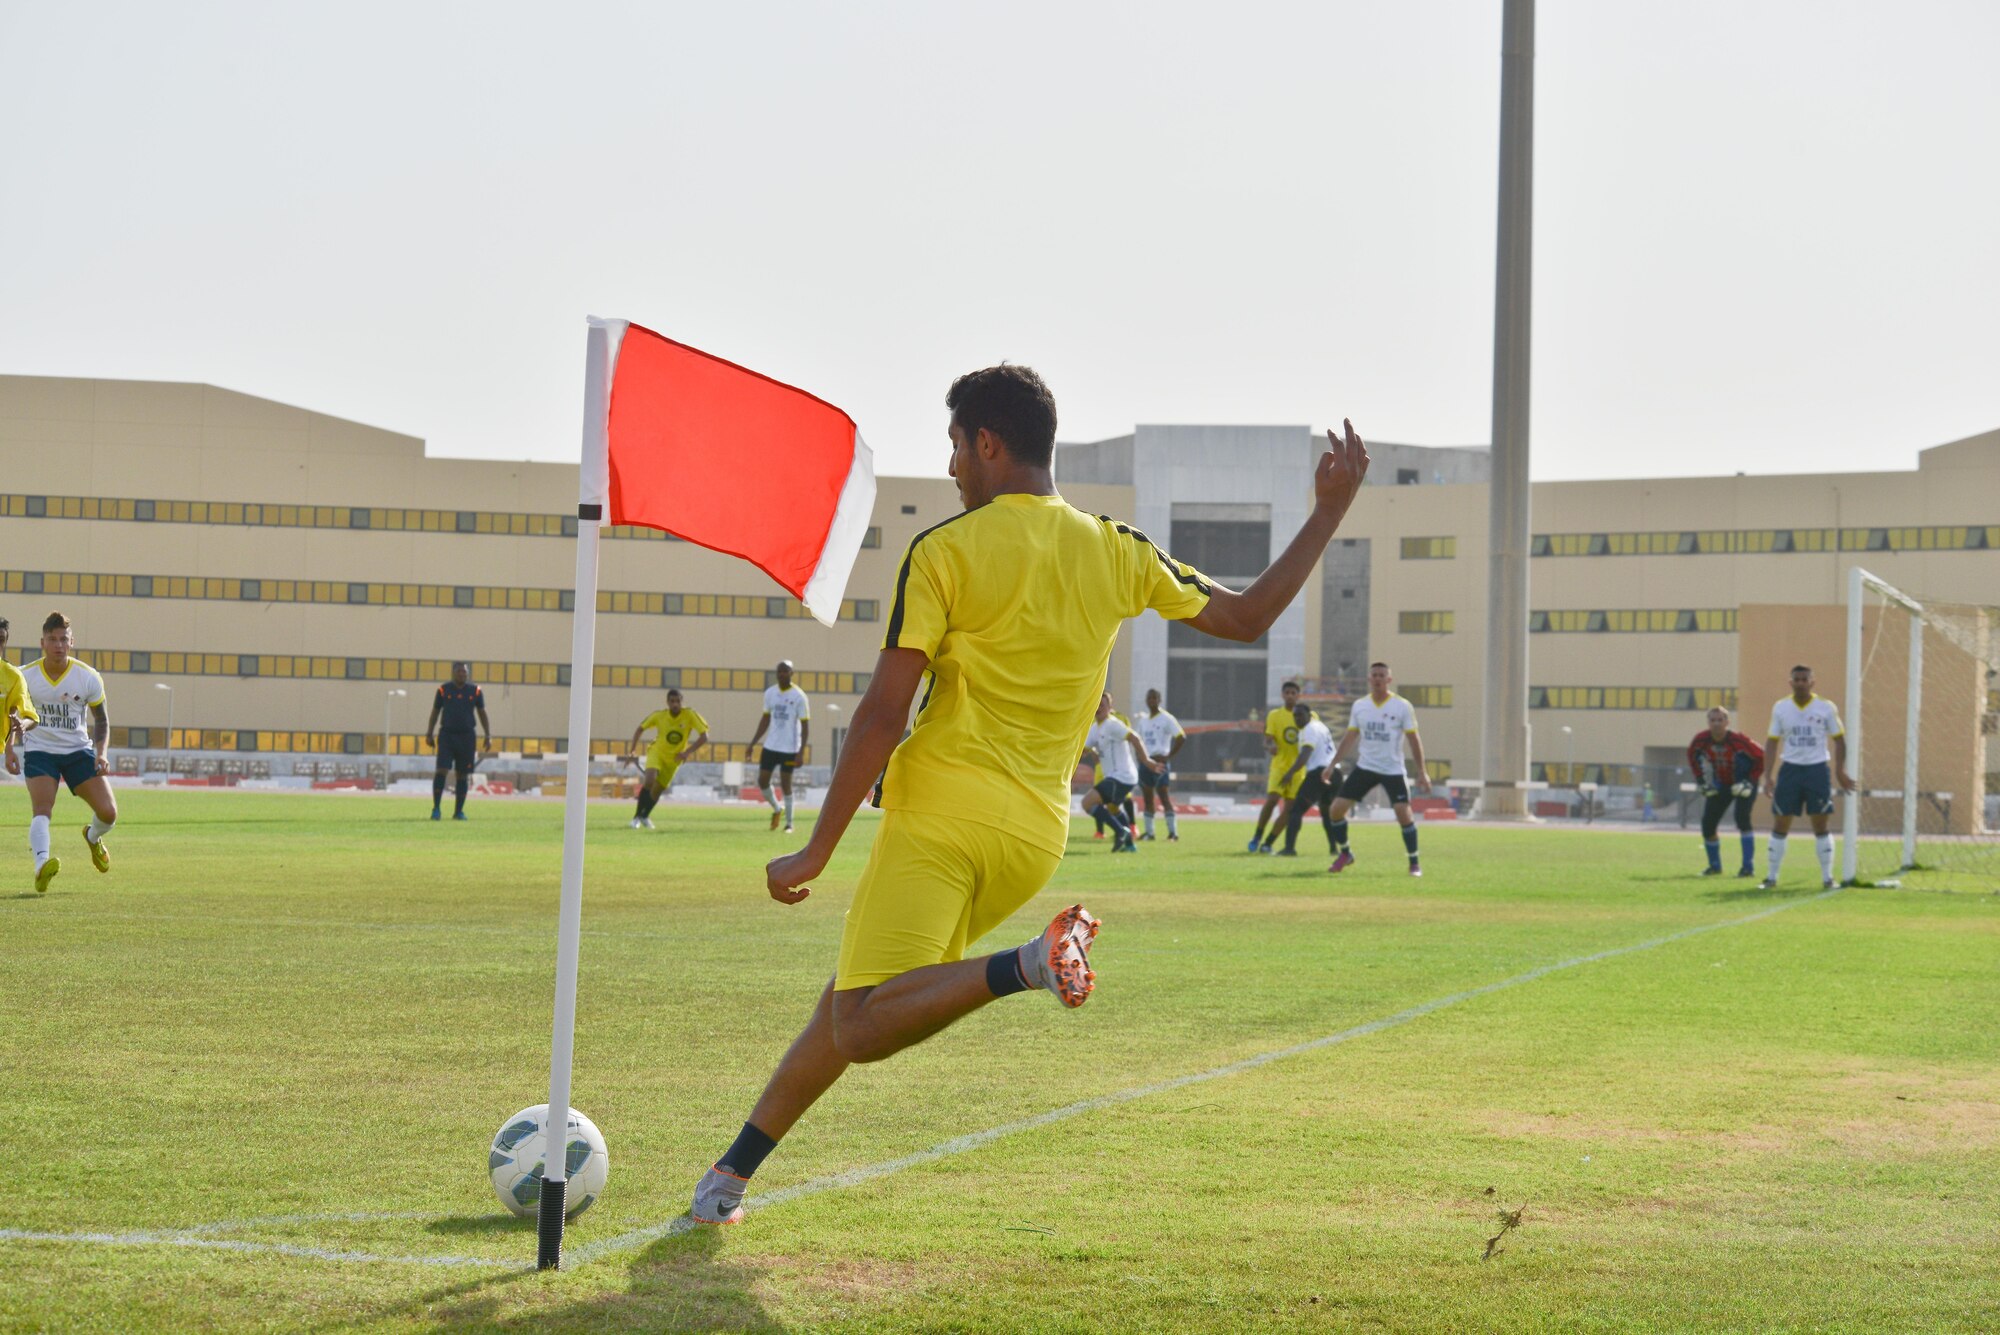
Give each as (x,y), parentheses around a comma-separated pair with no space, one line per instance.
(285,573)
(1635,588)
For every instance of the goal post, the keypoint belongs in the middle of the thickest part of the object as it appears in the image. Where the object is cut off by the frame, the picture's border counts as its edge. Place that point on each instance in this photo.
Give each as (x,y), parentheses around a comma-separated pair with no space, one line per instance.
(1861,583)
(1922,712)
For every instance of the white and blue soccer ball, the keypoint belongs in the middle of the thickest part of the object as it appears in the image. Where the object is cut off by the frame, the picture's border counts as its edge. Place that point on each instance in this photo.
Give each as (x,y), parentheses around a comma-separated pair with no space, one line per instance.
(520,1151)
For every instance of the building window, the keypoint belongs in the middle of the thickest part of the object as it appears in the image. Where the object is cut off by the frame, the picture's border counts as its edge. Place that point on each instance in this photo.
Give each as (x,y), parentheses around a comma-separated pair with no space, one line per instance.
(1426,623)
(1406,477)
(1216,688)
(1676,698)
(909,509)
(1430,549)
(1223,547)
(1427,697)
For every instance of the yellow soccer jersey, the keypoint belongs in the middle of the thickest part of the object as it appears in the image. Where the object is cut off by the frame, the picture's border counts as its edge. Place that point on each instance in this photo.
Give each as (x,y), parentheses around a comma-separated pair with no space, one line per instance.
(1282,729)
(672,731)
(14,695)
(1017,605)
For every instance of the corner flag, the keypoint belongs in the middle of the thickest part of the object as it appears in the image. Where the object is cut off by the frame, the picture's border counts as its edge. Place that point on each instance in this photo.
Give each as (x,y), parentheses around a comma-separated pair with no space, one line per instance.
(737,462)
(685,442)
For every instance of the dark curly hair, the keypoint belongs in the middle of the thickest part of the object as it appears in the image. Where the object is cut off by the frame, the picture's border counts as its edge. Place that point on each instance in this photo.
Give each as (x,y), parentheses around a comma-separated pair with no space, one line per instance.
(1013,404)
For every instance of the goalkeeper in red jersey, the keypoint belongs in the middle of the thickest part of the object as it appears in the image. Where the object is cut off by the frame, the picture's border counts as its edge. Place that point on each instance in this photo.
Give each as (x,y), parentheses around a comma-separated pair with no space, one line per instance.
(1726,766)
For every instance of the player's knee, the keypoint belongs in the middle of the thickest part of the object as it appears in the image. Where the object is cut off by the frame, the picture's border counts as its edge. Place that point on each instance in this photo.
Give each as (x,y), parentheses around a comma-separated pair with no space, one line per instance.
(859,1041)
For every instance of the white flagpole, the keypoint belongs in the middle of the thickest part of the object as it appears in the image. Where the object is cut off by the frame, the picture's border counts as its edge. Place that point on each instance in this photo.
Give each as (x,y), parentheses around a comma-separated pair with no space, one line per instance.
(591,488)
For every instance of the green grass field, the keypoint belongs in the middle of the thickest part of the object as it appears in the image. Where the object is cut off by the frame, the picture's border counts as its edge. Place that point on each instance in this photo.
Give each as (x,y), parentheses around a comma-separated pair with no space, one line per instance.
(295,1022)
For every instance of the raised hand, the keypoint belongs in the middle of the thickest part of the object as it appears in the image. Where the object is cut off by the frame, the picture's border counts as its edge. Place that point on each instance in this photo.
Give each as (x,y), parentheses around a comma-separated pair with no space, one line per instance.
(1341,470)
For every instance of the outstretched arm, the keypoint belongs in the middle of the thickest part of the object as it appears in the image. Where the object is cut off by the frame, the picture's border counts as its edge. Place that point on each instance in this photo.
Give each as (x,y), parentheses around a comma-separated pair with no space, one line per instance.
(1245,616)
(877,727)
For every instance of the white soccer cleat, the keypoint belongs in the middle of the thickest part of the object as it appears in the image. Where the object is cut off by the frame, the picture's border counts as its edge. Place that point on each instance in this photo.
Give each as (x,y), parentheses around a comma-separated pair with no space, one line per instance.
(718,1198)
(646,823)
(636,824)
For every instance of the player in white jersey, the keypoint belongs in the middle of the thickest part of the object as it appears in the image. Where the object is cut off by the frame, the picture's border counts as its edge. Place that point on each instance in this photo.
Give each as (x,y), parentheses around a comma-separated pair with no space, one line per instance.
(1805,733)
(1315,757)
(1117,748)
(1379,725)
(1161,734)
(783,730)
(67,747)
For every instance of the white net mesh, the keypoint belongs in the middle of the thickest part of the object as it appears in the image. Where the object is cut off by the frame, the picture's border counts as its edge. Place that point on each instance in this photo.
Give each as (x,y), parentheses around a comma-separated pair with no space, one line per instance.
(1955,840)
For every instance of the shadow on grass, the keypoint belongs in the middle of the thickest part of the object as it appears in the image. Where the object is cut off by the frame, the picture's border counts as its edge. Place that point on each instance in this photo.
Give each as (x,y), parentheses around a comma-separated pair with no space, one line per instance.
(481,1225)
(679,1283)
(1756,891)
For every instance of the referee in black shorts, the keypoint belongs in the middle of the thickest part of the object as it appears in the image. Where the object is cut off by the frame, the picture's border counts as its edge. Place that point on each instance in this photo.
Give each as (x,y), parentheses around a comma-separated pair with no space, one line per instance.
(458,703)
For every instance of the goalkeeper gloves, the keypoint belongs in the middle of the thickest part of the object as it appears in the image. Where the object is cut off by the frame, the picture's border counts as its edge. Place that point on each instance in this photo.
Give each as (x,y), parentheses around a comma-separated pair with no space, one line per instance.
(1746,789)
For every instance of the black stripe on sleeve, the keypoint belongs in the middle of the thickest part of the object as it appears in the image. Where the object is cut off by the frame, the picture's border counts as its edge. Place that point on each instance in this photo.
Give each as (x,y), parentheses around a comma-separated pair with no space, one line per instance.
(1187,577)
(893,639)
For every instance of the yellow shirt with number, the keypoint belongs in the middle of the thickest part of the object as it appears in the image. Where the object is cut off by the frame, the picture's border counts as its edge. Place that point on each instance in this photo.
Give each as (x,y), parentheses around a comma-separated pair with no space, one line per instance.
(672,731)
(1017,604)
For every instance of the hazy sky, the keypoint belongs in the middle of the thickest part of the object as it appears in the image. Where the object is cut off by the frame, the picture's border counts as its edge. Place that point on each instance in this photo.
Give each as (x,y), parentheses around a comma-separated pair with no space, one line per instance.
(1765,232)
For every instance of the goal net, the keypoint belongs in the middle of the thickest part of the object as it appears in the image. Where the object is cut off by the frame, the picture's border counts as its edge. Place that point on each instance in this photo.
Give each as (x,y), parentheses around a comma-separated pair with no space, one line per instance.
(1923,687)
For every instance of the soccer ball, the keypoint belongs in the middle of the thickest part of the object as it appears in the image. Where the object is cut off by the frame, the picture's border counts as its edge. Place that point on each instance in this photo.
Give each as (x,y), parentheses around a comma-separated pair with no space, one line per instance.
(521,1148)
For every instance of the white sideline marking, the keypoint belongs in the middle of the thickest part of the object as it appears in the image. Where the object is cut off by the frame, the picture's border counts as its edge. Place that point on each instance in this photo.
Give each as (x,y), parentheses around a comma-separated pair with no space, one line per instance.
(201,1236)
(189,1238)
(959,1145)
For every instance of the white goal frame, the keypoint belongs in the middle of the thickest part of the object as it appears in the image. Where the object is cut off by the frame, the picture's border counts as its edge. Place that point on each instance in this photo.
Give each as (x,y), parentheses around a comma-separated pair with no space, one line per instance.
(1859,583)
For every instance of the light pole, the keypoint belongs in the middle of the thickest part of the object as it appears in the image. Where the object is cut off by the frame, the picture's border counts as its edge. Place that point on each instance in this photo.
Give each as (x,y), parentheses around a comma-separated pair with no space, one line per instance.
(162,686)
(386,701)
(1569,739)
(833,734)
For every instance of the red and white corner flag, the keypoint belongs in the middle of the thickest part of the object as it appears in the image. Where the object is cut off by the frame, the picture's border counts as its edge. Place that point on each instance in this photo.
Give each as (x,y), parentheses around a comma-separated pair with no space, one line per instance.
(736,462)
(678,440)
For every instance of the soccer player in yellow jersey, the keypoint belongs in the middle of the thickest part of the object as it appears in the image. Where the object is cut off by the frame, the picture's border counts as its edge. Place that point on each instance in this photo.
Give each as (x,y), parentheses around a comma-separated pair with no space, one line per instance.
(1003,618)
(17,709)
(677,734)
(1281,742)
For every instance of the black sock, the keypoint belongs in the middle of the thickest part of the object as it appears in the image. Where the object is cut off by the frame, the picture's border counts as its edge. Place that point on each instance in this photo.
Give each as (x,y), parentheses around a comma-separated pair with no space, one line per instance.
(747,1155)
(639,811)
(437,789)
(648,799)
(463,783)
(1003,974)
(1410,840)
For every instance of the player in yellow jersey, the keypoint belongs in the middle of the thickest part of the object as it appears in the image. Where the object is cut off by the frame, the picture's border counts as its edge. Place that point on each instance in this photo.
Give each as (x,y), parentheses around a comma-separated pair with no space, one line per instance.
(17,710)
(1003,619)
(1281,743)
(677,734)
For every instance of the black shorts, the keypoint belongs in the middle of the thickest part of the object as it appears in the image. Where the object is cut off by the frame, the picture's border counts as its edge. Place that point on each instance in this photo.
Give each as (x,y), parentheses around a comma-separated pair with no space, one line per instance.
(74,768)
(768,760)
(1148,779)
(1362,782)
(1114,791)
(1717,805)
(458,750)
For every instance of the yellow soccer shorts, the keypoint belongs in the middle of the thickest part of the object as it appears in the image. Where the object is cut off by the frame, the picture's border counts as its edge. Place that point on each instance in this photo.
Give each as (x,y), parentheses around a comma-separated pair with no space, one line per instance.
(664,762)
(933,886)
(1276,771)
